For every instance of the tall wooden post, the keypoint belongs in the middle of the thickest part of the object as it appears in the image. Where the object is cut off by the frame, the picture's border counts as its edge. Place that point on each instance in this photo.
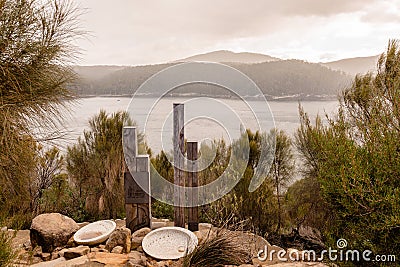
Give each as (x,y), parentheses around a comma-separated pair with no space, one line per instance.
(178,142)
(137,201)
(193,215)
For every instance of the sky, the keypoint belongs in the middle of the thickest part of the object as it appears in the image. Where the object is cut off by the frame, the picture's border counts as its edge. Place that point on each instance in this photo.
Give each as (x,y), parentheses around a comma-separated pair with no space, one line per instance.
(140,32)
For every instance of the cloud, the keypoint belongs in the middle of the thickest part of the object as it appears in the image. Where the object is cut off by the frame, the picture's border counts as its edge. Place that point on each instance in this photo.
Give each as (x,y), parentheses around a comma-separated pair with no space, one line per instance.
(383,12)
(141,32)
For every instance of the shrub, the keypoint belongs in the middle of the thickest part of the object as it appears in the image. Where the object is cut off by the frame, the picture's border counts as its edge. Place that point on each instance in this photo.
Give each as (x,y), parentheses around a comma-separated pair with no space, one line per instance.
(7,253)
(218,250)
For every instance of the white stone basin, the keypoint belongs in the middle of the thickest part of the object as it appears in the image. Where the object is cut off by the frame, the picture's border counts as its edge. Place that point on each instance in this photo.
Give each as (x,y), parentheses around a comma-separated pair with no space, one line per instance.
(169,243)
(95,233)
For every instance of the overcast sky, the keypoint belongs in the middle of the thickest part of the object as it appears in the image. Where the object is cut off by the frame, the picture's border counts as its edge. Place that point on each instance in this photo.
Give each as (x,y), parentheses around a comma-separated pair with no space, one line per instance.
(137,32)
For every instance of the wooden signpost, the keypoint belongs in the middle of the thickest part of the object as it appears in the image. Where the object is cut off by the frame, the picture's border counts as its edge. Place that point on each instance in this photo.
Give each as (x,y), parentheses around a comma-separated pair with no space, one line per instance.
(193,213)
(137,201)
(179,180)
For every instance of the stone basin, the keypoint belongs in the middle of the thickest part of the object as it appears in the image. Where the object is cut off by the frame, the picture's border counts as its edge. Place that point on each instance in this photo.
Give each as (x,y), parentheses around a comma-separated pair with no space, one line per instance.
(95,233)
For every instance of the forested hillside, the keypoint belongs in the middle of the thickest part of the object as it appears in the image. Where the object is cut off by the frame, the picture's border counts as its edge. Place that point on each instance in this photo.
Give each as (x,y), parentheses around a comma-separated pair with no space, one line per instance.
(277,79)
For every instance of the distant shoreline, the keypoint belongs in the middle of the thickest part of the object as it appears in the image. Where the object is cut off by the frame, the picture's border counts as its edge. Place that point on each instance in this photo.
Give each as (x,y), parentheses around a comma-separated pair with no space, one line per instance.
(268,98)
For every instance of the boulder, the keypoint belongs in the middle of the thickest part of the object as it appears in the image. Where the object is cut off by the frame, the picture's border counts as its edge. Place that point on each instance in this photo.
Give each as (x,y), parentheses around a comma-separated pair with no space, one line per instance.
(49,263)
(137,237)
(73,253)
(136,257)
(117,250)
(120,237)
(52,230)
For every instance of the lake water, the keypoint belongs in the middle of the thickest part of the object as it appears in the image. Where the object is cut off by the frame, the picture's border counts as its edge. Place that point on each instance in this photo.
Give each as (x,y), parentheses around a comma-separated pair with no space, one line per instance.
(219,120)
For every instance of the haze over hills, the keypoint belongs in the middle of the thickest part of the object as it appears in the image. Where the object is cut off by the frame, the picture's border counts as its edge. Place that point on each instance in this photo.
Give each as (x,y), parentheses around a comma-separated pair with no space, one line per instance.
(277,78)
(354,66)
(224,56)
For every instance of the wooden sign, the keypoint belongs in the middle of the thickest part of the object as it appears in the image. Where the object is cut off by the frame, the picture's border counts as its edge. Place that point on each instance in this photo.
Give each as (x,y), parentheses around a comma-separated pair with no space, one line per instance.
(134,194)
(179,181)
(192,179)
(137,201)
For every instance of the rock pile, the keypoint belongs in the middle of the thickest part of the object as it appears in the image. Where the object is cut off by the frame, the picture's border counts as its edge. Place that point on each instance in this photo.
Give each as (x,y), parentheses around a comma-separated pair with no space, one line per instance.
(51,244)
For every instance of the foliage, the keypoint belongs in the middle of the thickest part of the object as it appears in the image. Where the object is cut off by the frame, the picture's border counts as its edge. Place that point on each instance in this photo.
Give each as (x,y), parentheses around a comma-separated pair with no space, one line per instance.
(260,208)
(219,250)
(7,254)
(305,206)
(161,210)
(96,165)
(49,165)
(35,55)
(282,169)
(355,158)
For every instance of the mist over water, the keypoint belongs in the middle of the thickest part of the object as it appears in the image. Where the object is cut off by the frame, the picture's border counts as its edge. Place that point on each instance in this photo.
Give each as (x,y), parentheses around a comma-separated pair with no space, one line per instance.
(285,114)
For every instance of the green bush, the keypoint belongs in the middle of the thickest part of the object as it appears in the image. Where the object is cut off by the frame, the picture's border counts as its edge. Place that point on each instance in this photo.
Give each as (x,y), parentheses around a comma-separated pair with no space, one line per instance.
(7,253)
(162,210)
(356,159)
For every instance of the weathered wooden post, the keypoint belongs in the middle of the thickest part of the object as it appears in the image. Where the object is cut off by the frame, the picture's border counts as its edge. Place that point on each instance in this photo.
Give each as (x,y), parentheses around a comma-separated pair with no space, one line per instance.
(137,201)
(178,142)
(193,215)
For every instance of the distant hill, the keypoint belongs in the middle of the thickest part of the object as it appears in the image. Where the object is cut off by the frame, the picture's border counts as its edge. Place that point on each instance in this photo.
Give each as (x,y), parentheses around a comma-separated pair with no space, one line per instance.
(225,56)
(283,79)
(354,66)
(90,73)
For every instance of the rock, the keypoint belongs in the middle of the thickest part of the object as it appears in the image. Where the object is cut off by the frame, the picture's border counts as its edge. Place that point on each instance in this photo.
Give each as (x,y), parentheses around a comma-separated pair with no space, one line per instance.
(120,237)
(117,250)
(21,239)
(140,249)
(137,237)
(132,264)
(91,264)
(205,226)
(120,223)
(55,255)
(71,242)
(293,254)
(37,251)
(156,225)
(4,229)
(164,263)
(52,230)
(137,259)
(49,263)
(246,265)
(73,253)
(46,256)
(96,259)
(62,251)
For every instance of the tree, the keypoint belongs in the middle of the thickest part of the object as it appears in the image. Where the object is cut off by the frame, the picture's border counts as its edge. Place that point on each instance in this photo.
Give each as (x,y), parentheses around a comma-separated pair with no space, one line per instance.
(355,159)
(35,55)
(49,164)
(96,165)
(282,168)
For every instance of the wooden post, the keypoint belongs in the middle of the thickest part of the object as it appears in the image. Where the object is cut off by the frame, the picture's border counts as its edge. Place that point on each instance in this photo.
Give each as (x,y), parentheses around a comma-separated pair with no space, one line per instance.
(178,142)
(193,215)
(137,201)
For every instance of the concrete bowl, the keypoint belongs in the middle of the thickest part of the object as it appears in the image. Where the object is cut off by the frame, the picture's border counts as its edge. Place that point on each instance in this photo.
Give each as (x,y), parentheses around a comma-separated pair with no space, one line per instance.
(95,233)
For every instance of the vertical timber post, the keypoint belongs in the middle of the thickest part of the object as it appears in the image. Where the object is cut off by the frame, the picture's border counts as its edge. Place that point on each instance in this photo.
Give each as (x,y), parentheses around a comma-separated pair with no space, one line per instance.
(178,142)
(137,201)
(193,215)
